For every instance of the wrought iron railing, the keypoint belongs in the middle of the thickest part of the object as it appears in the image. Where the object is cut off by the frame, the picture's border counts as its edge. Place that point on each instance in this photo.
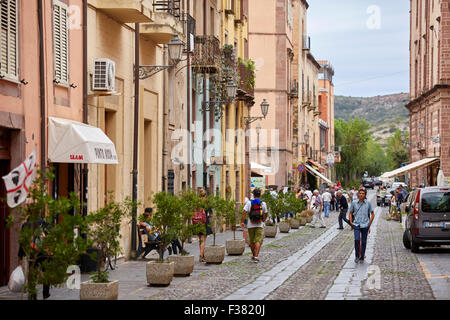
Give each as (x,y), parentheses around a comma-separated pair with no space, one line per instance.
(207,55)
(169,6)
(246,84)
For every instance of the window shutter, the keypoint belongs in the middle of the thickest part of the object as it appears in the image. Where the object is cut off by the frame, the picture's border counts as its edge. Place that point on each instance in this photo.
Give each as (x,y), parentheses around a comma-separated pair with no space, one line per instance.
(61,43)
(9,67)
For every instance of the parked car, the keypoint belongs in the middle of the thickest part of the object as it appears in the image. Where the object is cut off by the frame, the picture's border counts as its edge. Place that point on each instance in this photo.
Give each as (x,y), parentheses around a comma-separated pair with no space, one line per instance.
(428,218)
(378,182)
(368,183)
(396,184)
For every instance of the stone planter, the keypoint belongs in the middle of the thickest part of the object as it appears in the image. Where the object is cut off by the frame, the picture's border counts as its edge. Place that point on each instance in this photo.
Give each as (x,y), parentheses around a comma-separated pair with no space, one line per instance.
(160,273)
(184,265)
(295,223)
(303,220)
(99,291)
(285,226)
(214,254)
(235,247)
(270,231)
(309,219)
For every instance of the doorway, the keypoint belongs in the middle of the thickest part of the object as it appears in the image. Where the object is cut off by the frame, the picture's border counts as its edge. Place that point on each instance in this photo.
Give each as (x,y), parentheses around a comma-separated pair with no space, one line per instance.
(5,159)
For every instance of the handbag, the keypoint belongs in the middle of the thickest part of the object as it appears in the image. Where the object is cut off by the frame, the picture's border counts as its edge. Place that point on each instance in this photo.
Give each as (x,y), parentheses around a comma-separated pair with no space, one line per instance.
(16,280)
(199,216)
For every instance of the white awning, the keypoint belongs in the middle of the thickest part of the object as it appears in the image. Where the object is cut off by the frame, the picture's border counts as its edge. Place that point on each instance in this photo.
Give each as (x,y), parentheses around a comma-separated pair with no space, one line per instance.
(318,174)
(75,142)
(257,166)
(410,167)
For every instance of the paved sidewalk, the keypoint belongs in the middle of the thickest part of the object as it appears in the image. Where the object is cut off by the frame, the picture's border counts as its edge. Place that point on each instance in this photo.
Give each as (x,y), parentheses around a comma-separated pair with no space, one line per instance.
(132,274)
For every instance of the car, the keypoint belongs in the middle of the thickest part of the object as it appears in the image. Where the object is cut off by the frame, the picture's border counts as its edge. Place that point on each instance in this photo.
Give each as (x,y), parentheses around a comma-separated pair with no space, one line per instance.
(378,182)
(395,185)
(368,183)
(428,218)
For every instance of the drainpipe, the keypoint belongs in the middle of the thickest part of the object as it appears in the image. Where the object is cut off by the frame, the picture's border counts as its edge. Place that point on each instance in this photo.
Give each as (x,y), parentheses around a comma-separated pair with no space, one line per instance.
(84,190)
(136,133)
(42,84)
(188,108)
(205,174)
(163,167)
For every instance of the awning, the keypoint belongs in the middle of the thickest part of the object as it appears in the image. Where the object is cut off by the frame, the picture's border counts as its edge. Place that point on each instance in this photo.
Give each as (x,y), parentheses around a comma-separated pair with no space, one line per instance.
(257,166)
(410,167)
(75,142)
(317,165)
(318,174)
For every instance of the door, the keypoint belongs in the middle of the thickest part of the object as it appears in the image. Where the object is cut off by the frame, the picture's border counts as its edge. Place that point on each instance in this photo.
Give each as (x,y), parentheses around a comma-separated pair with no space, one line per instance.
(4,210)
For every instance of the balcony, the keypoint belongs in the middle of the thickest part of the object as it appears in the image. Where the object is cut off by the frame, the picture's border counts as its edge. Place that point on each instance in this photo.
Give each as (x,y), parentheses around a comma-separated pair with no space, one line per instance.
(163,28)
(171,7)
(246,90)
(306,43)
(207,55)
(126,11)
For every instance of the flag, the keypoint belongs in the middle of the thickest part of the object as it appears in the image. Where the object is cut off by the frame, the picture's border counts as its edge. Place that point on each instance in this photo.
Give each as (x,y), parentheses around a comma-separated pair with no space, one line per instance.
(19,180)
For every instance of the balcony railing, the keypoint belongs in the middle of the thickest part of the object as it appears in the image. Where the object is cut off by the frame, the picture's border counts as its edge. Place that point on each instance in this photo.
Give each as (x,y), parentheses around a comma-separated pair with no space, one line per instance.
(246,90)
(207,55)
(169,6)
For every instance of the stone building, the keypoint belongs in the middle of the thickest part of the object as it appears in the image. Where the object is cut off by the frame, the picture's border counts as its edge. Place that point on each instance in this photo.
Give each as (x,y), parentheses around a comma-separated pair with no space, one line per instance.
(429,106)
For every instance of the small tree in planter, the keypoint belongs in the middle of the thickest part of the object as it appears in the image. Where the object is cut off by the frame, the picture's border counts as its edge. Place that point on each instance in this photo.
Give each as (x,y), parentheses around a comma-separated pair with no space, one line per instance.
(184,263)
(49,238)
(215,254)
(166,220)
(296,205)
(228,209)
(276,206)
(105,233)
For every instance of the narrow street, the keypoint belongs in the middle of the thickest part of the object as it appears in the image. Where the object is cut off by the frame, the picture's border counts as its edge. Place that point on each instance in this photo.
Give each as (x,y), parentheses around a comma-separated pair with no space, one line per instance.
(305,264)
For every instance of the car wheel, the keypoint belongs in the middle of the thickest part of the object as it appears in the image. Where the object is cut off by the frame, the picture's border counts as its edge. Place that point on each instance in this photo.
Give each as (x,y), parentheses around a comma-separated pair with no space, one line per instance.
(406,241)
(414,247)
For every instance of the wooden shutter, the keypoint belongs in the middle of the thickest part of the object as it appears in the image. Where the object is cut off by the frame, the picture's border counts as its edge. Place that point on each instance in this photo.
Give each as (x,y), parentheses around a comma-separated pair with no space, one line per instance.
(9,66)
(61,42)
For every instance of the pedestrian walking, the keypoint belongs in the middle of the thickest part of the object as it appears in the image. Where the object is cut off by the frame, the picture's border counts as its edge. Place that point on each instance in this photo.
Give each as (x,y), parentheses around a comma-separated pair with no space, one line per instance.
(333,200)
(354,194)
(361,217)
(257,214)
(383,196)
(343,208)
(201,216)
(317,207)
(326,197)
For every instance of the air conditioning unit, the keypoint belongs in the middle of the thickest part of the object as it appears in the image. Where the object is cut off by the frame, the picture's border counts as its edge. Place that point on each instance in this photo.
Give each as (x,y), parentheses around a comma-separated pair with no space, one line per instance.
(104,75)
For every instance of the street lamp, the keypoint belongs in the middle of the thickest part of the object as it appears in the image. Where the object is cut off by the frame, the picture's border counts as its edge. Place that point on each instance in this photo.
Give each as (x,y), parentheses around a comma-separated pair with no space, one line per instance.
(175,48)
(231,90)
(264,110)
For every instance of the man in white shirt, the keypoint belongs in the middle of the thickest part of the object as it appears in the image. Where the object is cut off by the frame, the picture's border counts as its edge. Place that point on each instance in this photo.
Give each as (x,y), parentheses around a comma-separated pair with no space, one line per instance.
(317,206)
(326,196)
(257,211)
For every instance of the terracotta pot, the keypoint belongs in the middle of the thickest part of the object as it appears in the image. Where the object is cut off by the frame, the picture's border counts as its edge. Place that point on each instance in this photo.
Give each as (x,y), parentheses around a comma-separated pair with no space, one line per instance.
(285,226)
(270,231)
(184,265)
(99,291)
(214,254)
(160,273)
(295,223)
(235,247)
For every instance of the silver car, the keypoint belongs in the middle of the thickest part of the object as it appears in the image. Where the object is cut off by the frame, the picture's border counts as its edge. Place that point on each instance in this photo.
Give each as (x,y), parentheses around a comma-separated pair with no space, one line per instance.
(428,220)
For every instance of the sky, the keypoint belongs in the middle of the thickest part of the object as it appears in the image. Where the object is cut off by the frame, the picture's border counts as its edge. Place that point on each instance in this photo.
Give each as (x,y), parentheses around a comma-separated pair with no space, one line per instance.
(367,42)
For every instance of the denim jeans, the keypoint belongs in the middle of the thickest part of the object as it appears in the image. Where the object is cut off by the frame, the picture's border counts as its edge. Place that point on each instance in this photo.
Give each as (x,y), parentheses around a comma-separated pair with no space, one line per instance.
(326,208)
(360,241)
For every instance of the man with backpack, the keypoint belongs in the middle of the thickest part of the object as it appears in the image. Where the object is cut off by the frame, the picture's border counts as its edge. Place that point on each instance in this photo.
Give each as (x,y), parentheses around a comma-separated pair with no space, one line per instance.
(361,217)
(257,214)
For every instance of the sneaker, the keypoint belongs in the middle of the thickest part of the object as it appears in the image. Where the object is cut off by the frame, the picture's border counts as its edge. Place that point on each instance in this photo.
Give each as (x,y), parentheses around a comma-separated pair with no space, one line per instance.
(361,261)
(356,260)
(256,260)
(340,228)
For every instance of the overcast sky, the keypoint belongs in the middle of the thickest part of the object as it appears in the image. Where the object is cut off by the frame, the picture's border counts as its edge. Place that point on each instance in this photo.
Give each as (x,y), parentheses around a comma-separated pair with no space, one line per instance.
(367,42)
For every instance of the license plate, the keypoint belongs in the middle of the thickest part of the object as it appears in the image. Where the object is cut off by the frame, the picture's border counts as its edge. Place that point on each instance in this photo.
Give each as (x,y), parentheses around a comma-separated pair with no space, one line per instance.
(434,224)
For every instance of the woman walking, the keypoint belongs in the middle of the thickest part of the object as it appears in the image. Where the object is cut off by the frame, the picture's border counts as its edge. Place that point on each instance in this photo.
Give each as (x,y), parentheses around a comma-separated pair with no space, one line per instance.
(201,216)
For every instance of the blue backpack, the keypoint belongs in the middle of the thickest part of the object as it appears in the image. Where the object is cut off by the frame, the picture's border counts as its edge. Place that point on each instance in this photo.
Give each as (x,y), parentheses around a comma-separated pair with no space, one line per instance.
(256,213)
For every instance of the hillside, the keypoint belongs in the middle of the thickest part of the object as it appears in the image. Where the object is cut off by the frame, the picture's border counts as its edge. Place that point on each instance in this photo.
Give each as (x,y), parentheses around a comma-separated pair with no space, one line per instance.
(386,114)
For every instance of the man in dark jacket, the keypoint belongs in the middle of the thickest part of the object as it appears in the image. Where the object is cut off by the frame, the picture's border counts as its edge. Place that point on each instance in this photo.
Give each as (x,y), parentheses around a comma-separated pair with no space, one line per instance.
(342,204)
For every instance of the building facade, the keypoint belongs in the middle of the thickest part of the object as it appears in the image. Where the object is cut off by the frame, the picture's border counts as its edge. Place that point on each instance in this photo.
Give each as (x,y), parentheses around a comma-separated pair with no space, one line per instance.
(429,106)
(40,77)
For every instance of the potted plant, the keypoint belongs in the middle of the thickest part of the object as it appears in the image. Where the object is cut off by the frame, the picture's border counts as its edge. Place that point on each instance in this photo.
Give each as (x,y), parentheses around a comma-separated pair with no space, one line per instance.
(302,217)
(275,207)
(310,215)
(233,246)
(184,262)
(165,220)
(285,226)
(215,253)
(48,243)
(104,232)
(296,205)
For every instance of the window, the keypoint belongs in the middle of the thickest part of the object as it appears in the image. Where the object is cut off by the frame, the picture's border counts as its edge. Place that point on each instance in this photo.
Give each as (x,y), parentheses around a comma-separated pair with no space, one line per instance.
(9,62)
(61,43)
